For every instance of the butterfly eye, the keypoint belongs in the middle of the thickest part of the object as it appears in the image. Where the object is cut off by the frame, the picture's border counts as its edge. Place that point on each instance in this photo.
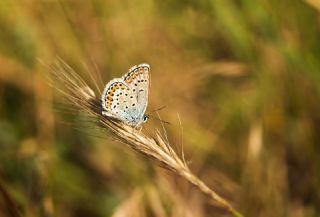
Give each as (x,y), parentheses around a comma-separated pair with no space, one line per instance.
(145,118)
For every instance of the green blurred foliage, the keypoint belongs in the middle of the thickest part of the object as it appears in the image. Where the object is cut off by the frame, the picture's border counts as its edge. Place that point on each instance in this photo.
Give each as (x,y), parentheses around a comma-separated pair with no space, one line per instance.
(242,75)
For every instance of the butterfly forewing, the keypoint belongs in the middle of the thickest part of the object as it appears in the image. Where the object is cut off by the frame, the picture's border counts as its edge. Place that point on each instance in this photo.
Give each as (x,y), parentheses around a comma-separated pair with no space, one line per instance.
(138,80)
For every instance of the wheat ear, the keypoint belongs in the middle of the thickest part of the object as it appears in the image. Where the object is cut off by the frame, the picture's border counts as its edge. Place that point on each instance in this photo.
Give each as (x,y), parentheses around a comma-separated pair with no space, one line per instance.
(65,80)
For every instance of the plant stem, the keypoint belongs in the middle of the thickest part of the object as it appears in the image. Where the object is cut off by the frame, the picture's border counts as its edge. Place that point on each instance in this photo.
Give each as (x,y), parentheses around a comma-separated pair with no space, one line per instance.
(187,174)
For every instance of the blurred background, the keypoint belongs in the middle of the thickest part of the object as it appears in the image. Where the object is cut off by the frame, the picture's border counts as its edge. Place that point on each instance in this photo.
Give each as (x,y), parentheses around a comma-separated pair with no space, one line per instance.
(243,76)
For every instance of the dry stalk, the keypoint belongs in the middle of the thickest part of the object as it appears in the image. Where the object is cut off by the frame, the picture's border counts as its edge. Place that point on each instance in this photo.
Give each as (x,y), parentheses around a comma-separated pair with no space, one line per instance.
(75,89)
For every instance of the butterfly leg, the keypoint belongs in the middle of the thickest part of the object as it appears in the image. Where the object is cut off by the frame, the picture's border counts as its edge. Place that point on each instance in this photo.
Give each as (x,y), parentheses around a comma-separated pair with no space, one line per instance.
(137,128)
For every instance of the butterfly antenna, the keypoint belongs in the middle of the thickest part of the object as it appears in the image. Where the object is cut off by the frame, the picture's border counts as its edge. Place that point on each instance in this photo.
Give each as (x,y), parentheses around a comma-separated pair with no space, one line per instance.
(158,109)
(159,119)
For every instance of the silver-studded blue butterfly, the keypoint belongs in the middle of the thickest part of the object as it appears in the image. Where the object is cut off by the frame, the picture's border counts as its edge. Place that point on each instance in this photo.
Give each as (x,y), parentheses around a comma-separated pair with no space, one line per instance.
(126,98)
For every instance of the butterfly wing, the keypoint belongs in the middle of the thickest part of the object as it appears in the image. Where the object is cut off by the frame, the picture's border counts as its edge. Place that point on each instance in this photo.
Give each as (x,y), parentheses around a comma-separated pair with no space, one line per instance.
(120,102)
(137,79)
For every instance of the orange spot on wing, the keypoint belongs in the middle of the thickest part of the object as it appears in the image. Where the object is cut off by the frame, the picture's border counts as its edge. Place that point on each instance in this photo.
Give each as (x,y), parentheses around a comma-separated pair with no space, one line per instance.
(129,80)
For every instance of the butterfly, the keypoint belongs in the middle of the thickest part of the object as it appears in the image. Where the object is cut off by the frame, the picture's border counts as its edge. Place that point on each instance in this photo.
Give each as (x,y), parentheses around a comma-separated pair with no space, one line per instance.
(126,98)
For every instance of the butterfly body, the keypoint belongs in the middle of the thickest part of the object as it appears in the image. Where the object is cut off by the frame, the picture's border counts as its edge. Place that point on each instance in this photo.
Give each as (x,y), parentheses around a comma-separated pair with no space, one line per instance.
(126,98)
